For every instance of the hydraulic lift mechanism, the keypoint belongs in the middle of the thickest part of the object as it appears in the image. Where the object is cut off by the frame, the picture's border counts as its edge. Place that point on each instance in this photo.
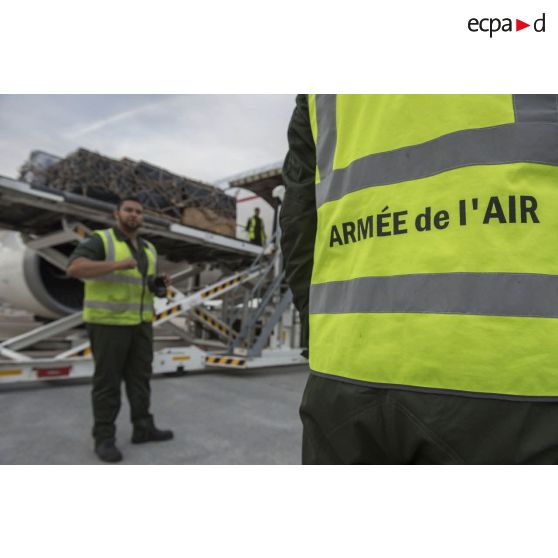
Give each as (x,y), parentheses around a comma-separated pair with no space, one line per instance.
(243,319)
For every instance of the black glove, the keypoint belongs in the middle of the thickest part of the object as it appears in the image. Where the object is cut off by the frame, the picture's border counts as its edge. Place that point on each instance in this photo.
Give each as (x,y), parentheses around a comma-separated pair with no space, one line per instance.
(156,284)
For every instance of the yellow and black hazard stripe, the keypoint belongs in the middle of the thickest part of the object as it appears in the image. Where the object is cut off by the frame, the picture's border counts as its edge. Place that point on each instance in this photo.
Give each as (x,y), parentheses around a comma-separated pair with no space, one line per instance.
(222,287)
(181,357)
(11,372)
(208,319)
(233,362)
(83,353)
(80,231)
(165,313)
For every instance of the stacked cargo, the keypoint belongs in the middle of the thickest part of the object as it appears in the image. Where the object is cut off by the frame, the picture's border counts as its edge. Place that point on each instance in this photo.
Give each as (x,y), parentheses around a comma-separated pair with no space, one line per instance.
(162,193)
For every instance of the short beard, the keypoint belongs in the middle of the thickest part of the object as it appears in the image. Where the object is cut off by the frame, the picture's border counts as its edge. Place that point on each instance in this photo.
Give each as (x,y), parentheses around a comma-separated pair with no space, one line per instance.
(129,229)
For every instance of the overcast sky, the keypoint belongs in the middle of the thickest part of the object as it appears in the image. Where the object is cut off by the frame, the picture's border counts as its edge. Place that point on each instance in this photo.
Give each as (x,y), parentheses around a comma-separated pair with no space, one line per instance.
(208,137)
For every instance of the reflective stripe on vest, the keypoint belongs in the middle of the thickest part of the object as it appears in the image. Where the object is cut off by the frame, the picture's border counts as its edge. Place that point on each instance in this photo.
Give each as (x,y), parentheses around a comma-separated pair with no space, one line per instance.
(113,306)
(434,264)
(120,297)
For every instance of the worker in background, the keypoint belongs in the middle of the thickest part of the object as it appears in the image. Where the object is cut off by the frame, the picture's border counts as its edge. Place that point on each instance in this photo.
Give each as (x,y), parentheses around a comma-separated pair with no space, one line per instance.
(256,229)
(430,277)
(119,271)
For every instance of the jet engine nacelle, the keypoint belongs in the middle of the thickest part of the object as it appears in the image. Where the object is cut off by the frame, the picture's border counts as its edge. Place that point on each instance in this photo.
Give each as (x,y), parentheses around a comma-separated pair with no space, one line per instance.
(29,282)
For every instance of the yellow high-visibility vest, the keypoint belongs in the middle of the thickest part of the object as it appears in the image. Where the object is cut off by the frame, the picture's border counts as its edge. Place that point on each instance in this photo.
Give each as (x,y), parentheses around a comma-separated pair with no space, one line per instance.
(121,297)
(252,229)
(435,262)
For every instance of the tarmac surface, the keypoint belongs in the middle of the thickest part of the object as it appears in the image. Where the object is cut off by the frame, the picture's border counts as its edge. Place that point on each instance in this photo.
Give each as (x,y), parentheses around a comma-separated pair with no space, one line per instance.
(222,417)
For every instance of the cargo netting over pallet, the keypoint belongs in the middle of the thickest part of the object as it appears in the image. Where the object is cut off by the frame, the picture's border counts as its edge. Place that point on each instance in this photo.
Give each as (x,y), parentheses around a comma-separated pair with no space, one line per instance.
(164,194)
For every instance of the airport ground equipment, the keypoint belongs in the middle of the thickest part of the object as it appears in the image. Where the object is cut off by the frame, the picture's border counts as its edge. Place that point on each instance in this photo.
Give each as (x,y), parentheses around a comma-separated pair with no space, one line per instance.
(50,219)
(244,318)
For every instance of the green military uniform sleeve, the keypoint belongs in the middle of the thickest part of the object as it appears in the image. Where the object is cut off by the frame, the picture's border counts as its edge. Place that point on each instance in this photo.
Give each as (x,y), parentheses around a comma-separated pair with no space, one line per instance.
(298,216)
(92,248)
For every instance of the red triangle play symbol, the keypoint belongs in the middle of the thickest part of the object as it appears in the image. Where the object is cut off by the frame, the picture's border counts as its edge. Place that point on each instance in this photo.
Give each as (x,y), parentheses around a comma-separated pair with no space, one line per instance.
(519,25)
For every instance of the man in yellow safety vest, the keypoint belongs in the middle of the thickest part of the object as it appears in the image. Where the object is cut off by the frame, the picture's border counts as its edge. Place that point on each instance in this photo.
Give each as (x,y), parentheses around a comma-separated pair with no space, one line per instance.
(255,228)
(119,271)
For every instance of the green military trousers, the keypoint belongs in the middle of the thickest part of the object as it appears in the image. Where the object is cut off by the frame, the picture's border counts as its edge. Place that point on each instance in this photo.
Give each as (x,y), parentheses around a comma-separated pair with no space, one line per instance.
(121,353)
(345,423)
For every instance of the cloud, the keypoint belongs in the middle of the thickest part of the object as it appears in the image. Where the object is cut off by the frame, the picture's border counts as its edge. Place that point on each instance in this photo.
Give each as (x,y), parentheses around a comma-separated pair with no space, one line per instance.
(206,137)
(115,118)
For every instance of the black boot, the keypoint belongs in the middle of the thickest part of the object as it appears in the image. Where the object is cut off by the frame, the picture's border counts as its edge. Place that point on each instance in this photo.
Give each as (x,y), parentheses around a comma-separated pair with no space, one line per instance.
(148,432)
(107,451)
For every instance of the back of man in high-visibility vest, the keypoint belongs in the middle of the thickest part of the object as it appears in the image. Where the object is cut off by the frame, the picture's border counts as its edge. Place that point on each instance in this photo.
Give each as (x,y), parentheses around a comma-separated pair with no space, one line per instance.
(418,232)
(119,271)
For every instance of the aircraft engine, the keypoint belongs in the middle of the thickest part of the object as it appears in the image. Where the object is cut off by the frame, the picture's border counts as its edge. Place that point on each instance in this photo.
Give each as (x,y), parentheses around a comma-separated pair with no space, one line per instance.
(29,282)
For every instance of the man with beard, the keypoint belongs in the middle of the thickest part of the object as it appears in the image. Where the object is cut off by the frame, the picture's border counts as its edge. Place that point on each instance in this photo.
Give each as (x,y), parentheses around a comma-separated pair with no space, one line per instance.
(119,271)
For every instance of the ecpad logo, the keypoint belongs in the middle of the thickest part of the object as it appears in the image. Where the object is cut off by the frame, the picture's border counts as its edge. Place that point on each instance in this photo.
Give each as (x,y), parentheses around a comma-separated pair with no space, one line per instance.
(492,25)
